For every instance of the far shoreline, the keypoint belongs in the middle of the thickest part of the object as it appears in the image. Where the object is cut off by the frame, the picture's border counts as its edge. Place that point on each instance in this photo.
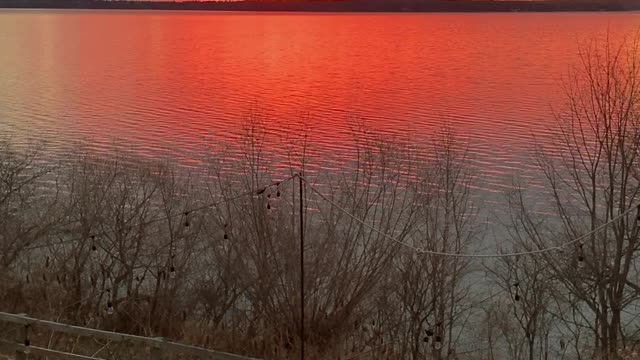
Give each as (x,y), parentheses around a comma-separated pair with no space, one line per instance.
(335,6)
(319,12)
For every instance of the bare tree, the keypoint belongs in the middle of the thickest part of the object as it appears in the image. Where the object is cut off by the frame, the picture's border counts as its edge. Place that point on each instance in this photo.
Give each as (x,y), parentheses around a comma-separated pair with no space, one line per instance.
(523,311)
(589,171)
(27,216)
(431,289)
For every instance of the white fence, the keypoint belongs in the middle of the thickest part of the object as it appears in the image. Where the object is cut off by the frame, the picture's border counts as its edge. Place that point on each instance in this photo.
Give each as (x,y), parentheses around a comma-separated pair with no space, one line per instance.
(159,347)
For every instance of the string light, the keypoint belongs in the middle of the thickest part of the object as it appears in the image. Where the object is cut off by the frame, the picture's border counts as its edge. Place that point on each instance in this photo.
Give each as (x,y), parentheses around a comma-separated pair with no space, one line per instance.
(186,219)
(437,344)
(461,255)
(110,309)
(172,269)
(268,201)
(517,295)
(580,256)
(168,217)
(429,332)
(27,342)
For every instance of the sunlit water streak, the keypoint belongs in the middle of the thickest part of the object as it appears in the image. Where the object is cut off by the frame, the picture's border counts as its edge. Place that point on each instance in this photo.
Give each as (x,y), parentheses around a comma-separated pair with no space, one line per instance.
(181,84)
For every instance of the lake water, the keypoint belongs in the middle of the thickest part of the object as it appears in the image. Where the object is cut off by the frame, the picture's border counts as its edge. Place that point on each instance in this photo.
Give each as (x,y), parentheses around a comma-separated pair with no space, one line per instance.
(182,83)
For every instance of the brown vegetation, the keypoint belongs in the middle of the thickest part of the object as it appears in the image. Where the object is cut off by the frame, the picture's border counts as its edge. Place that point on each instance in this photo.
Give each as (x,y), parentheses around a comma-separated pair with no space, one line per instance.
(124,244)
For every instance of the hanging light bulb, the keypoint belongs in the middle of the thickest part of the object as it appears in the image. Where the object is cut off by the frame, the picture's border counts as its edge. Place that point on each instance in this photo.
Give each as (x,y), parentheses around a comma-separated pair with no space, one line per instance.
(268,206)
(517,297)
(186,219)
(425,339)
(580,255)
(437,344)
(46,264)
(93,243)
(172,272)
(27,345)
(110,310)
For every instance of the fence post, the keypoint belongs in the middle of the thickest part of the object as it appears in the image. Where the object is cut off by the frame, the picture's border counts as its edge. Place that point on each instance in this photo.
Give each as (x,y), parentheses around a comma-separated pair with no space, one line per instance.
(156,351)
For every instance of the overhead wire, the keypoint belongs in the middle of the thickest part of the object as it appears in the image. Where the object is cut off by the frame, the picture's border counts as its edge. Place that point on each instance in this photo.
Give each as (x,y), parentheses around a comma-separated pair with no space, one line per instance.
(463,255)
(353,217)
(259,191)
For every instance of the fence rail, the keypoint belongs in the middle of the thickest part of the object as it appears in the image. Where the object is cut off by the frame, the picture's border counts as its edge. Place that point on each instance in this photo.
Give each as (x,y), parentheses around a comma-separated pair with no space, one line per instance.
(159,347)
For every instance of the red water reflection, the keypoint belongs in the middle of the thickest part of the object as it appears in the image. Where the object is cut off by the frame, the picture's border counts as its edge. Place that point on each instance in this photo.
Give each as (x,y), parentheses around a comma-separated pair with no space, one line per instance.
(176,83)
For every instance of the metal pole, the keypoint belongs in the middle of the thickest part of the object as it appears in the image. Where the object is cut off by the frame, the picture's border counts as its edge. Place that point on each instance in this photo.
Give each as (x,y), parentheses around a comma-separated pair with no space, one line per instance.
(301,268)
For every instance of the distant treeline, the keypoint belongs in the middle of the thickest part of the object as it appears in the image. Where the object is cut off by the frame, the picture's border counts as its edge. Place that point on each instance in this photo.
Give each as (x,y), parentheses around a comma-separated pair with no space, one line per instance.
(337,5)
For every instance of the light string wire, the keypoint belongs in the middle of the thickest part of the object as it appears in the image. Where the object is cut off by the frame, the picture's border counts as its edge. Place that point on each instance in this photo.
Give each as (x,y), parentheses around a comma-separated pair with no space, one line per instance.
(259,191)
(461,255)
(353,217)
